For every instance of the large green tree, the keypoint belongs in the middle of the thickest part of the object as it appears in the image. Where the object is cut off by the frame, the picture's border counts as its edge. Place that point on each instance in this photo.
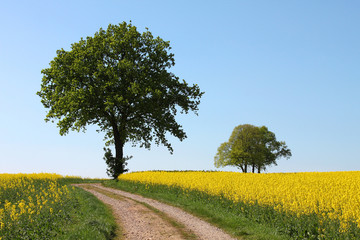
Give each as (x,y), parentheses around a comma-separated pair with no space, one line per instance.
(119,79)
(251,147)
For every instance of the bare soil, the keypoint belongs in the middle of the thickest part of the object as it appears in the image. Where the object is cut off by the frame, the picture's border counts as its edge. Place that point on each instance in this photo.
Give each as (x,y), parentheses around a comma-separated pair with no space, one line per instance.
(142,218)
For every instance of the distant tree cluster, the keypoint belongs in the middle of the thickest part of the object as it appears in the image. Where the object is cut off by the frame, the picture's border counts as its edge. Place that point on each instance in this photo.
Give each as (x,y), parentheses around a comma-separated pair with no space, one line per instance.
(251,148)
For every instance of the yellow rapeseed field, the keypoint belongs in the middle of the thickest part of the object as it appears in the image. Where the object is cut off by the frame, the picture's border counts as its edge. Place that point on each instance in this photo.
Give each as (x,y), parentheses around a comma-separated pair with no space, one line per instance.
(25,197)
(333,195)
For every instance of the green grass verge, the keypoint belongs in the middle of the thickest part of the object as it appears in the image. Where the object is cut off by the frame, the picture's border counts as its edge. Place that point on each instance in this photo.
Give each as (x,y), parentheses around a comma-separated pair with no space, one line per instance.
(90,219)
(211,209)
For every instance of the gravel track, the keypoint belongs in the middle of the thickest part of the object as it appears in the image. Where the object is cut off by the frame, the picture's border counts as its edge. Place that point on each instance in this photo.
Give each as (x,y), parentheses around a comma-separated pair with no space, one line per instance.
(139,222)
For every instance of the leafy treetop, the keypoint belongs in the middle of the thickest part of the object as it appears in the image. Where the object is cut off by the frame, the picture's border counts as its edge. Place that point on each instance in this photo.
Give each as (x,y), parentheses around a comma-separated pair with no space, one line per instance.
(118,79)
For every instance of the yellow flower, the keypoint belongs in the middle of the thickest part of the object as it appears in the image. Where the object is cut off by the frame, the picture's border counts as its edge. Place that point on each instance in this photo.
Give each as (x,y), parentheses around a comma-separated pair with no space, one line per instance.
(331,195)
(34,193)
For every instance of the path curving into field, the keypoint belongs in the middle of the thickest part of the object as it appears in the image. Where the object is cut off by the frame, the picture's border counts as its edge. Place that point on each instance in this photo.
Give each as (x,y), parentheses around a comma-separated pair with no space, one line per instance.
(144,218)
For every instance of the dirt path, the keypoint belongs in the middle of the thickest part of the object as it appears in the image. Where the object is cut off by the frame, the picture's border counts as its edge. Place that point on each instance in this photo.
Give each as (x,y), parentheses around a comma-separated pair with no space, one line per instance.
(143,218)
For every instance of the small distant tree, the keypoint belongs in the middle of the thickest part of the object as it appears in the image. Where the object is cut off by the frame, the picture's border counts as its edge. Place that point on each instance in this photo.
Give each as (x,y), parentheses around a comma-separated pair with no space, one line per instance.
(119,80)
(251,147)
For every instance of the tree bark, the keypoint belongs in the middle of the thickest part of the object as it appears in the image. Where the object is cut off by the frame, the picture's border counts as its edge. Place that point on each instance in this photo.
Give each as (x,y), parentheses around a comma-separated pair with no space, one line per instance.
(119,151)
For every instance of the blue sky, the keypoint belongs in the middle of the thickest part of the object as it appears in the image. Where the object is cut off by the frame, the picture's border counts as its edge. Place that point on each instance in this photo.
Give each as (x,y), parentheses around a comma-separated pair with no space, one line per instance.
(292,66)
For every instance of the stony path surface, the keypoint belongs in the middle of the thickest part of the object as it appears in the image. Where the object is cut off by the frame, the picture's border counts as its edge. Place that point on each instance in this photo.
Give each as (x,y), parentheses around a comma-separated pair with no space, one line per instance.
(139,222)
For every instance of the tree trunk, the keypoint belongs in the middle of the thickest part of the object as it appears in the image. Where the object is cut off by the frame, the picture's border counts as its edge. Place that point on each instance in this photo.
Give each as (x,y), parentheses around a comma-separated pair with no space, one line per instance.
(245,168)
(119,152)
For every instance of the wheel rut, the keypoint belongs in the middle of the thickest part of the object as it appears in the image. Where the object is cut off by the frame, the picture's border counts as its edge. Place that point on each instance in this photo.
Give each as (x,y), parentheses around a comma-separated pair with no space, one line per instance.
(144,218)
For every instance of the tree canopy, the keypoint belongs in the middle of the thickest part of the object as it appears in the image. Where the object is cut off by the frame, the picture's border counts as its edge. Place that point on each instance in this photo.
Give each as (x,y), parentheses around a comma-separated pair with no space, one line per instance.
(119,79)
(251,147)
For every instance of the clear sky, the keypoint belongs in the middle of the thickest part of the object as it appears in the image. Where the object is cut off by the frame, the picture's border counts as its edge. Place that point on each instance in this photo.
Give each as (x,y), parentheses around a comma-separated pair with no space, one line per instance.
(292,66)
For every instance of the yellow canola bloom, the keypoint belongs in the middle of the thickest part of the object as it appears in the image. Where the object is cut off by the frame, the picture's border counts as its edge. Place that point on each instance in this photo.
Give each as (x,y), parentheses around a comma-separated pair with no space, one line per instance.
(329,194)
(23,195)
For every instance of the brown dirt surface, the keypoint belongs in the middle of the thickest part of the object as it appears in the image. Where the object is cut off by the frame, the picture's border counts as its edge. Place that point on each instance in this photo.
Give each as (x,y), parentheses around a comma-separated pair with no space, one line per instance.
(142,218)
